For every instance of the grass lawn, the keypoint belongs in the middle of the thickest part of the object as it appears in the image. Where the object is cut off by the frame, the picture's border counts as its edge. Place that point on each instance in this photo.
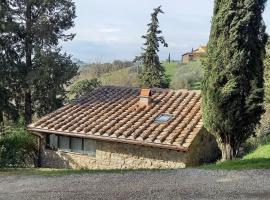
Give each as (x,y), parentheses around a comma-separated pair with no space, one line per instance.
(61,172)
(259,159)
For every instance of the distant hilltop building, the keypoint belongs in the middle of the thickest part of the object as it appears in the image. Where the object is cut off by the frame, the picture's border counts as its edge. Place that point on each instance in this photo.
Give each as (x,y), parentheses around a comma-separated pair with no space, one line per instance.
(194,54)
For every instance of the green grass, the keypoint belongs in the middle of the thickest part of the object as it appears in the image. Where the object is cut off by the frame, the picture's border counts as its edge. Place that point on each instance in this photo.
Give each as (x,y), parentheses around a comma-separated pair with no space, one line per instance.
(195,85)
(174,71)
(258,159)
(170,68)
(106,78)
(62,172)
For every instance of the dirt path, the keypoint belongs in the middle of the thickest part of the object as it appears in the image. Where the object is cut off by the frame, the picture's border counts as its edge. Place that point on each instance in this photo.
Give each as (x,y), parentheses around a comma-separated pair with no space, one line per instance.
(172,184)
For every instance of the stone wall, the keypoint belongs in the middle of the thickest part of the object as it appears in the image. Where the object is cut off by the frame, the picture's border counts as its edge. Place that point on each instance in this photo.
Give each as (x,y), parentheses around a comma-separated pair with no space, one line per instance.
(126,156)
(116,156)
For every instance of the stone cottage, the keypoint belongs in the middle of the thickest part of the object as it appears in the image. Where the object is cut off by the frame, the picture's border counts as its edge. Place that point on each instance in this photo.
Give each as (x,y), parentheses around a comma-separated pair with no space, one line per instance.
(194,54)
(123,127)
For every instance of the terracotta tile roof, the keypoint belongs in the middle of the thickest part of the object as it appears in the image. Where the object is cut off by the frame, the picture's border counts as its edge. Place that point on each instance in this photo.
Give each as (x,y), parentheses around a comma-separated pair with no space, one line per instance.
(113,114)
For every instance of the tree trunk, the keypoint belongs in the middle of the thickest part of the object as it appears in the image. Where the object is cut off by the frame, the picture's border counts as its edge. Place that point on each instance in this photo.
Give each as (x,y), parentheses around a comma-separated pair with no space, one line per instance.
(28,58)
(227,151)
(28,107)
(1,122)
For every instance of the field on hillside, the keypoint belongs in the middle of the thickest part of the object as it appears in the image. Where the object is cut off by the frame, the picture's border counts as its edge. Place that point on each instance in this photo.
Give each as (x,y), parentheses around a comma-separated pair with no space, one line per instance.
(182,76)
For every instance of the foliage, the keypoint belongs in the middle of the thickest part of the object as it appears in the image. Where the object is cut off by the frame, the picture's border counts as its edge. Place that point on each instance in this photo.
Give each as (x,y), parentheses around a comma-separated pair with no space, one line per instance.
(267,75)
(262,131)
(54,70)
(97,70)
(258,159)
(84,87)
(233,78)
(17,147)
(127,76)
(27,29)
(186,76)
(152,73)
(123,77)
(170,68)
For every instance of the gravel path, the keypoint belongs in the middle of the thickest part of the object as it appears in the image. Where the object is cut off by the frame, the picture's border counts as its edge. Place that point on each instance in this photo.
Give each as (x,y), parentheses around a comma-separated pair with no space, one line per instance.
(171,184)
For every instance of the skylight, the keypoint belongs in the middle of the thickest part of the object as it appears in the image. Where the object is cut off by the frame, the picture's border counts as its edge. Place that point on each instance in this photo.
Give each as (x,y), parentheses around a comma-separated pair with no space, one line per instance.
(163,118)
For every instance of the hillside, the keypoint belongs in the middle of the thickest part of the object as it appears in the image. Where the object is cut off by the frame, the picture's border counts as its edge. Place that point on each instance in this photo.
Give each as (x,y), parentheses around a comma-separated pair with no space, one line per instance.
(258,159)
(182,76)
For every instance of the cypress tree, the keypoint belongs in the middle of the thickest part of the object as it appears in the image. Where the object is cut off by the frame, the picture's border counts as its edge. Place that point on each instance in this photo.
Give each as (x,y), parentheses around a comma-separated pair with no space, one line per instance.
(267,76)
(233,83)
(152,73)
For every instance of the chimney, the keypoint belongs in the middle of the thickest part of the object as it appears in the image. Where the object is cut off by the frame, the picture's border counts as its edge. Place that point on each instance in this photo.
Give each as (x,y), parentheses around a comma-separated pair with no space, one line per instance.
(145,97)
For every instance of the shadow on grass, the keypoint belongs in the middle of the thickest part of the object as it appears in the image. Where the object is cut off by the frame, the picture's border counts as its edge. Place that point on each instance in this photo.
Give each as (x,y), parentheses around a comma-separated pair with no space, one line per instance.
(259,163)
(63,172)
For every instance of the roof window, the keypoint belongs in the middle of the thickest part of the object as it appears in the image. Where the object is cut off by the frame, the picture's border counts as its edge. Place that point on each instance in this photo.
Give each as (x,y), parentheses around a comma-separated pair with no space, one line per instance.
(163,118)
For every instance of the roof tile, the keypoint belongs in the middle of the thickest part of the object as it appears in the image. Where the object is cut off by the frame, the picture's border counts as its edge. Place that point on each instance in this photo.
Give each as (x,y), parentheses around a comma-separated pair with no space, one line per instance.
(114,113)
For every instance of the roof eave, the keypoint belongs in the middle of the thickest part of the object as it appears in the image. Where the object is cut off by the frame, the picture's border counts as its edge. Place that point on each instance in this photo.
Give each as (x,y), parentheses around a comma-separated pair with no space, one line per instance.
(109,139)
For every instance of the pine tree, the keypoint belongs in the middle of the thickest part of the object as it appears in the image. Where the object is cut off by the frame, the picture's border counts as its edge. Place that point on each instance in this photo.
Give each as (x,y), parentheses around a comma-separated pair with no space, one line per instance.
(36,26)
(153,73)
(233,83)
(54,71)
(267,76)
(8,58)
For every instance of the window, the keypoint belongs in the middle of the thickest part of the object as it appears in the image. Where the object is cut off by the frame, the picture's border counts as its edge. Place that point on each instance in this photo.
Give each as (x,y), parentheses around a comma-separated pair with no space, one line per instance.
(77,145)
(52,141)
(163,118)
(89,147)
(64,143)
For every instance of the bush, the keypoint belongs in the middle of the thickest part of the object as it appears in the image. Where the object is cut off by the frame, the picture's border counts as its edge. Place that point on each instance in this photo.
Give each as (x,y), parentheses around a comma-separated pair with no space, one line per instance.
(83,87)
(188,76)
(17,148)
(262,133)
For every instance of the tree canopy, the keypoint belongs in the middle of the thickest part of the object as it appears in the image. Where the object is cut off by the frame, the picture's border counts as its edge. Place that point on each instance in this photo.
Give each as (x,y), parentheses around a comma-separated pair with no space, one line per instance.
(33,70)
(153,73)
(233,81)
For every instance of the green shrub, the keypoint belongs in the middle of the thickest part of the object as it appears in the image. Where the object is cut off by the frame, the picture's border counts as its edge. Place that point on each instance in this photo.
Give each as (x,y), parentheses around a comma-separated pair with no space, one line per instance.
(83,87)
(188,76)
(17,148)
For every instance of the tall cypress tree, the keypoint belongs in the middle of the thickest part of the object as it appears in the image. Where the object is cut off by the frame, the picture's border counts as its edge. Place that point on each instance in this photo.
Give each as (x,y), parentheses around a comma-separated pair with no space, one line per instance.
(153,73)
(233,82)
(267,75)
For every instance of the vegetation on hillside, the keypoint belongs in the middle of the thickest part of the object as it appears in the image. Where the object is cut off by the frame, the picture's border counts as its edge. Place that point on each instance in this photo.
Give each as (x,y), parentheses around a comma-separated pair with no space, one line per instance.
(83,87)
(233,80)
(152,73)
(98,69)
(263,128)
(187,76)
(258,159)
(180,76)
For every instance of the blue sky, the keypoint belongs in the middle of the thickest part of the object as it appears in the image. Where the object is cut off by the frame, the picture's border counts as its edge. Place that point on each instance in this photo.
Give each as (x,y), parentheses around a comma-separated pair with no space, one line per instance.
(108,30)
